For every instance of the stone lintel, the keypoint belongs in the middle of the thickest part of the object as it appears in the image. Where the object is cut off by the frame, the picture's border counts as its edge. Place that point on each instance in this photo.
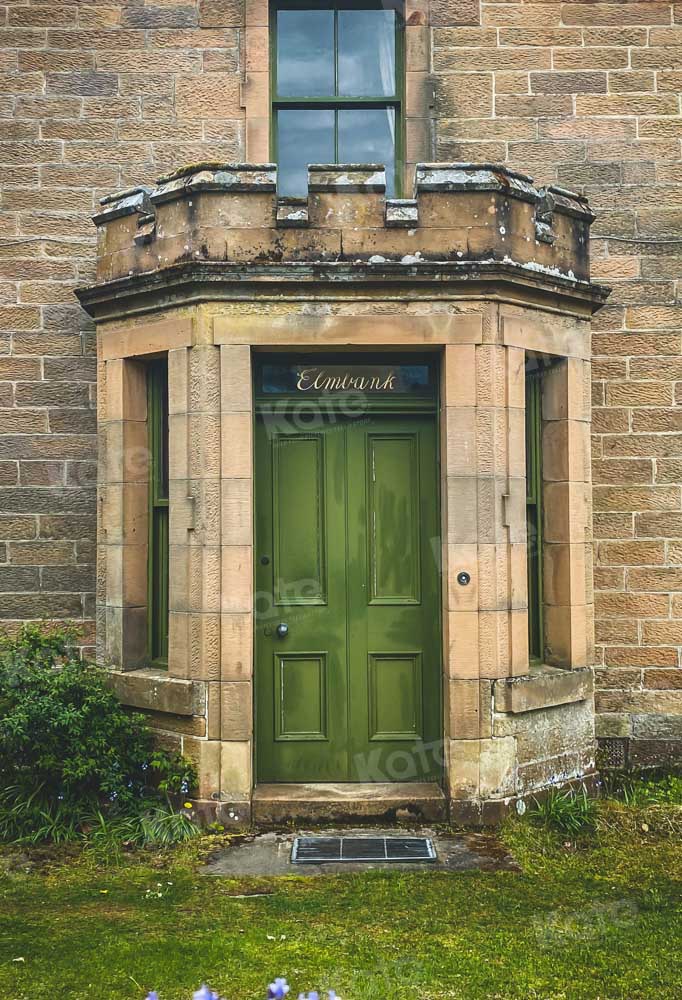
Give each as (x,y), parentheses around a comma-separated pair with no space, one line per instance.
(543,687)
(156,691)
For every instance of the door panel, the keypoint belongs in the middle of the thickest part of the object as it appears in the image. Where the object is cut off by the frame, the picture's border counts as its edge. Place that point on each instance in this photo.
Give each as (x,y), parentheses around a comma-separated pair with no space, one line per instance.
(299,514)
(394,612)
(302,678)
(395,696)
(302,710)
(393,513)
(347,535)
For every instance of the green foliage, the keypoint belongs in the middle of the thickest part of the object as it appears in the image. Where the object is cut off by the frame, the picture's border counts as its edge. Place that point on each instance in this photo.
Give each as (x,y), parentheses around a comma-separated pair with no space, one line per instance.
(159,826)
(68,749)
(569,812)
(648,792)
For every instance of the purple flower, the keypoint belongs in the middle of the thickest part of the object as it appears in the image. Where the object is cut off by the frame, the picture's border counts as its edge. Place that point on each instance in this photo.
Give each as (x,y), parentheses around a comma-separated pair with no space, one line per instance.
(279,989)
(205,994)
(152,995)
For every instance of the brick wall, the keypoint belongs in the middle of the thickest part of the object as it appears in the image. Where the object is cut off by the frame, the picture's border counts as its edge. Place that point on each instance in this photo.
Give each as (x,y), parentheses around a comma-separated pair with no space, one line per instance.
(587,95)
(93,98)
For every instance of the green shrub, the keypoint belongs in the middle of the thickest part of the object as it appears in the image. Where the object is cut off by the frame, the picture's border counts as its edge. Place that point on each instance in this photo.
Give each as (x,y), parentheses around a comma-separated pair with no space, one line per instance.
(68,749)
(570,812)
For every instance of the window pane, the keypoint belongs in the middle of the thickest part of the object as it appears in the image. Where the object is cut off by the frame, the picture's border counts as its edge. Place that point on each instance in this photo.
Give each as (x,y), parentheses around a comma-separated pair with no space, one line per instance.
(303,137)
(368,136)
(305,53)
(366,53)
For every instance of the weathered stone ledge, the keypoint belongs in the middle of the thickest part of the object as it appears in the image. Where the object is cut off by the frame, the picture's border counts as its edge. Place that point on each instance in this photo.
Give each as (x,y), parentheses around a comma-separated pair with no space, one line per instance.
(197,281)
(155,690)
(543,687)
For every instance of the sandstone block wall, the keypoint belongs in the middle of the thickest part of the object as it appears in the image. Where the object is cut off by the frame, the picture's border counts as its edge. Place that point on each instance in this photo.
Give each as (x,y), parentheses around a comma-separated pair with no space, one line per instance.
(95,97)
(587,95)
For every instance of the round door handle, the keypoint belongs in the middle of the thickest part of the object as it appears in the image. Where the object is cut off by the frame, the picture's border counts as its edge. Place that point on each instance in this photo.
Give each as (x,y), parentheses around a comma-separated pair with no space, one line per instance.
(282,630)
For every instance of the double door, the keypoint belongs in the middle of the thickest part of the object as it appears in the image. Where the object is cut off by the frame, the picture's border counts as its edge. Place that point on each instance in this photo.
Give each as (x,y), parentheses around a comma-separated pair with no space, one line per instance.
(348,647)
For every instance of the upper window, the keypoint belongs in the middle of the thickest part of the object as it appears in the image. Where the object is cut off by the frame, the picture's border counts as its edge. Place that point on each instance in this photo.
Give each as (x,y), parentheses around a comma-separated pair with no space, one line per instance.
(336,88)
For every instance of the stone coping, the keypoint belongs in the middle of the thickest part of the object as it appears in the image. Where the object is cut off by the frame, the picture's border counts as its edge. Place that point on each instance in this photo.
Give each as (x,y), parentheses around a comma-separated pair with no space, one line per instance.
(352,178)
(543,687)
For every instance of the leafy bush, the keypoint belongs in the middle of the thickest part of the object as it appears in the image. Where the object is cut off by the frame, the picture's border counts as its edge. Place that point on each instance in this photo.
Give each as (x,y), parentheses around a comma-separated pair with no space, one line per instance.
(68,749)
(568,812)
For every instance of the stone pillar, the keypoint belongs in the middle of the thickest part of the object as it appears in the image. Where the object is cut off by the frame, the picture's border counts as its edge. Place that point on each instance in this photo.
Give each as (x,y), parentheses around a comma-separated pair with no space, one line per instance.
(194,557)
(236,607)
(123,507)
(485,532)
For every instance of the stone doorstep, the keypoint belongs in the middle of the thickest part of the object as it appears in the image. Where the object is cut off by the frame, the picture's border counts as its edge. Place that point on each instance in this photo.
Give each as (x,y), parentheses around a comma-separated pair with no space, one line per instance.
(273,804)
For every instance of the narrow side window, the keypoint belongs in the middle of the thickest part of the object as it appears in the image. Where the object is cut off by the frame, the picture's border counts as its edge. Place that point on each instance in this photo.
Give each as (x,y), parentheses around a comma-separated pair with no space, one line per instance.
(534,512)
(157,410)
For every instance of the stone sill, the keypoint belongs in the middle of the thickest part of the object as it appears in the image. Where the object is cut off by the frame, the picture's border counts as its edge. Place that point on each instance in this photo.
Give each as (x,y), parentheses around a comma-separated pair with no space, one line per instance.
(543,687)
(155,691)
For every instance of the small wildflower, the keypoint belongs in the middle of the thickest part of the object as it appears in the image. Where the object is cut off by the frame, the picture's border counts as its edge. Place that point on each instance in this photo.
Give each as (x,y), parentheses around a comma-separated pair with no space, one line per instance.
(205,994)
(152,995)
(278,989)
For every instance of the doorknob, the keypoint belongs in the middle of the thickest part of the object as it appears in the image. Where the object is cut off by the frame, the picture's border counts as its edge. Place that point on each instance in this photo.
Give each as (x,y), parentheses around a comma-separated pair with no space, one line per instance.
(282,630)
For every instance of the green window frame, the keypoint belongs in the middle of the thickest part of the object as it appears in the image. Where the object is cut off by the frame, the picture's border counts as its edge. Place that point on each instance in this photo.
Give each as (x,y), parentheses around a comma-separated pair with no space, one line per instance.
(335,102)
(534,514)
(157,574)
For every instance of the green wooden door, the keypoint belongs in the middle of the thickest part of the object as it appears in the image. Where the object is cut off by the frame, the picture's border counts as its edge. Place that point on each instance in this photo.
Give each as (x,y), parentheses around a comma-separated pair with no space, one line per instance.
(347,548)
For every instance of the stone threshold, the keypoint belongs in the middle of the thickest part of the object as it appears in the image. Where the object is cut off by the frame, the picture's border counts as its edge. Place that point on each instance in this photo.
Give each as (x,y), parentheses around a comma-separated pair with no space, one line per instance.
(345,802)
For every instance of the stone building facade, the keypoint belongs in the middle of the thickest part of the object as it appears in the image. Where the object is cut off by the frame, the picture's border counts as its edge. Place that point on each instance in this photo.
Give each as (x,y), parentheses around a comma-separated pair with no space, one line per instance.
(98,98)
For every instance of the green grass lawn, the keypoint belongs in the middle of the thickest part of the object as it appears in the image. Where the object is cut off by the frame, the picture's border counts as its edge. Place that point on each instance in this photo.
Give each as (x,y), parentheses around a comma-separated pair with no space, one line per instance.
(599,921)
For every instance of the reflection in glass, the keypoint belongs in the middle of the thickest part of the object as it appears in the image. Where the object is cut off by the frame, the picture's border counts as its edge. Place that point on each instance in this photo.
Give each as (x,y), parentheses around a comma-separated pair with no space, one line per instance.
(303,137)
(305,53)
(368,136)
(366,53)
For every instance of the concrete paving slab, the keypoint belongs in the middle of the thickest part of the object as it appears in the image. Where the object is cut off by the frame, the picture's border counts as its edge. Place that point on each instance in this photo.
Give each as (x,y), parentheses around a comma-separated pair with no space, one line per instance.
(269,854)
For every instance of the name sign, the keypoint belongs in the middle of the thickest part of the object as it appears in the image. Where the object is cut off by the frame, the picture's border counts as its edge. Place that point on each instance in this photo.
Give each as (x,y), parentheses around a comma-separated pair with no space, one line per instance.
(309,379)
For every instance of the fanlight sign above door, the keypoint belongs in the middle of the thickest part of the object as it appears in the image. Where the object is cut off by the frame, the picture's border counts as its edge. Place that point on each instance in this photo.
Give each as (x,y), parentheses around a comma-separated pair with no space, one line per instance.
(305,378)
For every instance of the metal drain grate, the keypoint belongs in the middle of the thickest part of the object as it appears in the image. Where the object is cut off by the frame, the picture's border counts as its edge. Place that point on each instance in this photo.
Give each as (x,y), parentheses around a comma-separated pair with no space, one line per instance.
(326,850)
